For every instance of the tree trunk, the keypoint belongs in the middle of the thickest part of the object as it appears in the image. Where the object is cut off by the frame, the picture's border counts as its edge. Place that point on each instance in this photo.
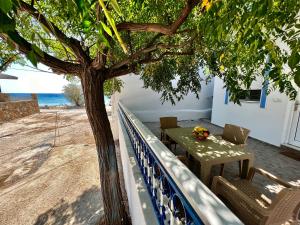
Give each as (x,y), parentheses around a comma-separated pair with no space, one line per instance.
(114,209)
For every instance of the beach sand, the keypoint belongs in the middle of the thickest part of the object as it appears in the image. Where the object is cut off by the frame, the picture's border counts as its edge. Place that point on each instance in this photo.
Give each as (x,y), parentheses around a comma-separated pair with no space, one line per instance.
(49,170)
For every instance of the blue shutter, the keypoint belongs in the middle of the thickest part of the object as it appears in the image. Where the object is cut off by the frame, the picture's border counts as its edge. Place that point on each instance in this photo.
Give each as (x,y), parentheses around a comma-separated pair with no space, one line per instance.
(226,96)
(263,96)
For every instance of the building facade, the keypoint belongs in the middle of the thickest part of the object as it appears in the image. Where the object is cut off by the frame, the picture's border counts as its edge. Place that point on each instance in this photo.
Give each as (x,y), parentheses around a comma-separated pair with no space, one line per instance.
(148,107)
(271,118)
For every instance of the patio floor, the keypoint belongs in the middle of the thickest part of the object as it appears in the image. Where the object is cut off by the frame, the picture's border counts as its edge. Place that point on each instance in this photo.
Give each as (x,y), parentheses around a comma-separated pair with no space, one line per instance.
(266,156)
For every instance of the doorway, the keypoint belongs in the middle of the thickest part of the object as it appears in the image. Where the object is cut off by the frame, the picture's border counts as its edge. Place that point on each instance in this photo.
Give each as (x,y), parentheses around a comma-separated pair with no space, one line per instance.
(294,138)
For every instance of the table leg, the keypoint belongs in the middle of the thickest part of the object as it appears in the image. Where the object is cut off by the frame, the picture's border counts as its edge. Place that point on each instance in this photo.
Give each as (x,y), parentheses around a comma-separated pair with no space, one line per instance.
(247,163)
(205,174)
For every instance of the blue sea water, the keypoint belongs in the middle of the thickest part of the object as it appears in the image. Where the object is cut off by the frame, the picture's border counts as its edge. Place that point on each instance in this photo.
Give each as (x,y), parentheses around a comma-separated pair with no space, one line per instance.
(50,99)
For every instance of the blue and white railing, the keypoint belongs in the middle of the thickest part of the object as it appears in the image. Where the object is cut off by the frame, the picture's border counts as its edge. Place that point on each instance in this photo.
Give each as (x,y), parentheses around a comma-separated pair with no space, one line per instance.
(177,195)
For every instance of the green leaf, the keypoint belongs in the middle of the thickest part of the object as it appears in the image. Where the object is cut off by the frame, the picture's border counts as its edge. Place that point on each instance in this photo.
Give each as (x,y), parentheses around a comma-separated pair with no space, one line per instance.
(106,28)
(116,7)
(43,40)
(37,50)
(32,36)
(262,9)
(6,23)
(6,5)
(270,4)
(294,59)
(113,25)
(86,23)
(32,58)
(80,5)
(297,77)
(103,39)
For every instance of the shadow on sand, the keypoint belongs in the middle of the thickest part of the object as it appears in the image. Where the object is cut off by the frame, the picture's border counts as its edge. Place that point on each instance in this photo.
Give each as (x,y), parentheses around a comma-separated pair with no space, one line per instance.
(85,210)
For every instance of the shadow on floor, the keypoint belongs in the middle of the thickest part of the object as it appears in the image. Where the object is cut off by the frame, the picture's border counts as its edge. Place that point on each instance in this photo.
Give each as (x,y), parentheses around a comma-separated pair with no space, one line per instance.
(86,210)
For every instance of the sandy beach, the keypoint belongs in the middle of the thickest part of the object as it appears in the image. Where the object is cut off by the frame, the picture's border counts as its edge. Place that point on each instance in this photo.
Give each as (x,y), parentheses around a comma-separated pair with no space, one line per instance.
(49,170)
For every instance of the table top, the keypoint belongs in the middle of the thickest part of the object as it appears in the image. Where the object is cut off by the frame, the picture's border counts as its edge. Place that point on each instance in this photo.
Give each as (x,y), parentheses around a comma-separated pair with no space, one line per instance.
(212,150)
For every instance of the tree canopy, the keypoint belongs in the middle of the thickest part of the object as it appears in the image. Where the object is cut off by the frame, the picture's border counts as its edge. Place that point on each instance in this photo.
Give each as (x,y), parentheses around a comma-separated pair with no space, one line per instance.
(160,40)
(250,38)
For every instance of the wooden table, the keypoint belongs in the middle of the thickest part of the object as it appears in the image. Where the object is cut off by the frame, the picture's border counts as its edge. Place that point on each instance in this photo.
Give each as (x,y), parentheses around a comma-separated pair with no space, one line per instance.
(213,151)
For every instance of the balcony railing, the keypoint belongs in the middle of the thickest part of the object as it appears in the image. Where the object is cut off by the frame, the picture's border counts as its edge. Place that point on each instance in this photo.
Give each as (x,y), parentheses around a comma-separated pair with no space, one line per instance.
(177,195)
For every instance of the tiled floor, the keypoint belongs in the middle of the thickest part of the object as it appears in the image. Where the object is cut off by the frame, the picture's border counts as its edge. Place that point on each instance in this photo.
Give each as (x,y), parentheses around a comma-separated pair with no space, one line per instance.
(265,156)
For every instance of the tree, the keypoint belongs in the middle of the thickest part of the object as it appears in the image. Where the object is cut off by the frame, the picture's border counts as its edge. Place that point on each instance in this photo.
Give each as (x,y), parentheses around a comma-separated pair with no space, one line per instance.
(73,93)
(8,56)
(160,40)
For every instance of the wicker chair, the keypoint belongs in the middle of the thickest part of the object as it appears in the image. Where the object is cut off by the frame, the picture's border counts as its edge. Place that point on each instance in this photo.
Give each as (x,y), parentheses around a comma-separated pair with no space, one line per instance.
(236,135)
(166,123)
(252,207)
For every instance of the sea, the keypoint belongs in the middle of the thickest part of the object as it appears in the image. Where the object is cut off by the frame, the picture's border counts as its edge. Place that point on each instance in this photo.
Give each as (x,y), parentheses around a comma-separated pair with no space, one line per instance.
(46,99)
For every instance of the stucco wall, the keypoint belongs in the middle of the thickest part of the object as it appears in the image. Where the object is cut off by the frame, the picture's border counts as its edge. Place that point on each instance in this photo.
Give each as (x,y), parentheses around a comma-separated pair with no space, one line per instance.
(147,106)
(13,110)
(266,124)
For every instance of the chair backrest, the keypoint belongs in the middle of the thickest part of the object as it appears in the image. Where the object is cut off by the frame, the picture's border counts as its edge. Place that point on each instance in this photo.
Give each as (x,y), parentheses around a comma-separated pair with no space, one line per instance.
(285,206)
(168,122)
(235,134)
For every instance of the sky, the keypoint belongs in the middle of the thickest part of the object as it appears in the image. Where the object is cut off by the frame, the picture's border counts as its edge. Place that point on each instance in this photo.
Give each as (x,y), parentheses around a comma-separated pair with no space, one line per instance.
(32,81)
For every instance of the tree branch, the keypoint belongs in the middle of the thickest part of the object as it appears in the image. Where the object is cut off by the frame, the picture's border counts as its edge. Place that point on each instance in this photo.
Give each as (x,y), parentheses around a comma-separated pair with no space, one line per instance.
(100,60)
(126,69)
(120,72)
(160,28)
(153,60)
(72,43)
(7,62)
(144,51)
(55,64)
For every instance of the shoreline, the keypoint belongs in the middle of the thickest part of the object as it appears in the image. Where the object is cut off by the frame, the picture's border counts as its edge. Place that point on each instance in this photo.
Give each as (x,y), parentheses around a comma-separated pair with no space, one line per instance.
(60,107)
(63,107)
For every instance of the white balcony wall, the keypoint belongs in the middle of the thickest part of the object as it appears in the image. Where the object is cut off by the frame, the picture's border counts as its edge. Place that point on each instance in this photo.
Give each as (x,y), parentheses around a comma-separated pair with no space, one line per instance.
(267,124)
(140,205)
(147,106)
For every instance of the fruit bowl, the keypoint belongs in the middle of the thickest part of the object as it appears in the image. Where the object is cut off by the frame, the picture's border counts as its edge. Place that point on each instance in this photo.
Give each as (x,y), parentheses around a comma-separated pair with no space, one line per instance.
(200,133)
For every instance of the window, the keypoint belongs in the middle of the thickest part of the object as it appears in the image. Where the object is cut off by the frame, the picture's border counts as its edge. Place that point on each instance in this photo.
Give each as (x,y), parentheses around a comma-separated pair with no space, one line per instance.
(251,95)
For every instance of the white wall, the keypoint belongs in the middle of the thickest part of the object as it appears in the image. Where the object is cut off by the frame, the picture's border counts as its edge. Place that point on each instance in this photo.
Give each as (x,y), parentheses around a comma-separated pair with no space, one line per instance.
(266,124)
(139,200)
(147,106)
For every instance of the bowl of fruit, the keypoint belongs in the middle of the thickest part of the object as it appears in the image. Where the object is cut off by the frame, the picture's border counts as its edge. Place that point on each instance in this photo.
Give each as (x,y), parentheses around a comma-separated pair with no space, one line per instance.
(200,133)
